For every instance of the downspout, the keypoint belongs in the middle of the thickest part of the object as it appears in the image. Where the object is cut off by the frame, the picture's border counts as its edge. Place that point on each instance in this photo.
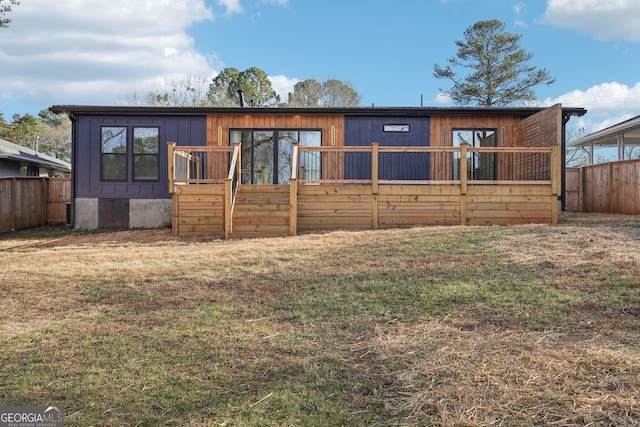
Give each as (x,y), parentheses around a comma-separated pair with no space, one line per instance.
(74,169)
(563,167)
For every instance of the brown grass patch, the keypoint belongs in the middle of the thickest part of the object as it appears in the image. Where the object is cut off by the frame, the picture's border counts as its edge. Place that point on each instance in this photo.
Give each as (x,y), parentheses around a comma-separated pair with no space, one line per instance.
(469,326)
(451,376)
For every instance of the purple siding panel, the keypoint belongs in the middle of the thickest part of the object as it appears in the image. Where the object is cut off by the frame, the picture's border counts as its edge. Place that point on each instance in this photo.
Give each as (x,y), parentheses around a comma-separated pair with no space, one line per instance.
(184,130)
(359,131)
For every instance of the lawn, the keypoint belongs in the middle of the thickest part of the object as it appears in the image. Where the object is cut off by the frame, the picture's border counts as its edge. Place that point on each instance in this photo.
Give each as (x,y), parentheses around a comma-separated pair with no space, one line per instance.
(436,326)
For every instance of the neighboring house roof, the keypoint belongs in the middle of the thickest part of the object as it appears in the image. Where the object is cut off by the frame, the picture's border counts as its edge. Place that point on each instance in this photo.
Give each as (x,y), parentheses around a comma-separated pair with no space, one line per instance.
(629,131)
(18,153)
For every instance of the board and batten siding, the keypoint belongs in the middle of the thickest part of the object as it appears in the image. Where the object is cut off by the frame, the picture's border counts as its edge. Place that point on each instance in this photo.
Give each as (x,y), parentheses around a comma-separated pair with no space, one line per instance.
(441,136)
(184,130)
(219,125)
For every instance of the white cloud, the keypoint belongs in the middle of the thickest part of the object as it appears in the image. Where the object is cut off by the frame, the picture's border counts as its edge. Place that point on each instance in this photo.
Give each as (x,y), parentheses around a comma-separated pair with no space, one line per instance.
(98,51)
(282,85)
(607,104)
(603,19)
(517,11)
(231,6)
(605,99)
(441,98)
(517,8)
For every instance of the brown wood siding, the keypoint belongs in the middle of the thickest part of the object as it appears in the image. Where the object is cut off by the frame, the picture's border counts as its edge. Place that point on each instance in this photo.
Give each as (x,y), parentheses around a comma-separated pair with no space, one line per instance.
(543,129)
(274,121)
(441,128)
(332,165)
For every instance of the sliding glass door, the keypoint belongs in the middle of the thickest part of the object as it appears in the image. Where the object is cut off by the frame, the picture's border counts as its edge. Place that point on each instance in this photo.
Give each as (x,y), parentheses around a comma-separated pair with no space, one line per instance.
(267,155)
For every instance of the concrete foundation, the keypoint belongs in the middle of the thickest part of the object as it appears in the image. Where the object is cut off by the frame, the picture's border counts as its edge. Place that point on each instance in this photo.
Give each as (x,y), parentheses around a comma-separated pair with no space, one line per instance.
(85,212)
(145,213)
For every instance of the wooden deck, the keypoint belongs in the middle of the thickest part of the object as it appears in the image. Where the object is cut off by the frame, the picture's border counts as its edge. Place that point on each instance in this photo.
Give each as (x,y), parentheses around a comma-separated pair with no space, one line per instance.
(312,206)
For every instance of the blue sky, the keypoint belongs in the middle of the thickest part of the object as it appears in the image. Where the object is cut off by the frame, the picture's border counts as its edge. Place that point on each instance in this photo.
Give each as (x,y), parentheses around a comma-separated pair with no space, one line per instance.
(99,52)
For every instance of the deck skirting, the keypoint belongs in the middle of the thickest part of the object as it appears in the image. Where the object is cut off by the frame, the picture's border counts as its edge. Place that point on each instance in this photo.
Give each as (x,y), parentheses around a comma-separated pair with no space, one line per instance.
(200,209)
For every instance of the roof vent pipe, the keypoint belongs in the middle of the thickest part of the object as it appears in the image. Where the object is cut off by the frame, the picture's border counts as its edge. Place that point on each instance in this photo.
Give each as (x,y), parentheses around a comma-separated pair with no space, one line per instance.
(241,97)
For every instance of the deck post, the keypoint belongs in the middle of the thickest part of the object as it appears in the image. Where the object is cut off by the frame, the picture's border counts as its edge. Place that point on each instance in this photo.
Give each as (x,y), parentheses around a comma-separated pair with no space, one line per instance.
(556,168)
(171,146)
(228,194)
(374,167)
(236,146)
(463,183)
(374,183)
(293,192)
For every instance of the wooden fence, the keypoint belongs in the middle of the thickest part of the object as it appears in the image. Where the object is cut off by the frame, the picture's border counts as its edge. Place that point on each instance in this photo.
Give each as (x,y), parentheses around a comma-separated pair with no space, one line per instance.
(607,188)
(31,202)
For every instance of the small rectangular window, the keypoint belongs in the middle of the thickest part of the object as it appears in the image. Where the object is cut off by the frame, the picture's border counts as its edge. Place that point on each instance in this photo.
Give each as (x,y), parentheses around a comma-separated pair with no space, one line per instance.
(113,149)
(145,153)
(395,128)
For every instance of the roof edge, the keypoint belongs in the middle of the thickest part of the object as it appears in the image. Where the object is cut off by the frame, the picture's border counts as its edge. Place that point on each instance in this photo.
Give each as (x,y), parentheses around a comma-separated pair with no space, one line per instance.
(102,110)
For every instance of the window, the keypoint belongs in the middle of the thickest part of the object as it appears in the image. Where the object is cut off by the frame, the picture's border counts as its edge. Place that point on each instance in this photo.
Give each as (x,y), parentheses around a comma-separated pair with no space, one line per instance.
(145,154)
(117,148)
(480,166)
(113,149)
(267,155)
(310,161)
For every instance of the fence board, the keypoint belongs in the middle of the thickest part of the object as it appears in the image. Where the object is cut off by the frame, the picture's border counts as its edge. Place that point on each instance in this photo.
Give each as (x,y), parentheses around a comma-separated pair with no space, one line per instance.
(32,202)
(59,196)
(606,188)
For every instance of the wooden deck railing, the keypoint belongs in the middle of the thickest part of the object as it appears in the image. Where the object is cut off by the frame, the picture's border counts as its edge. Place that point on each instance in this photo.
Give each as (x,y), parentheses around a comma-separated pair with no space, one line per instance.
(390,186)
(365,164)
(510,165)
(197,164)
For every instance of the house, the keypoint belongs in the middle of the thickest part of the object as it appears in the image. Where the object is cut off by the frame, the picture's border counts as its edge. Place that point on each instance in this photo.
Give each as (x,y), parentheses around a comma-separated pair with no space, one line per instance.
(239,172)
(16,160)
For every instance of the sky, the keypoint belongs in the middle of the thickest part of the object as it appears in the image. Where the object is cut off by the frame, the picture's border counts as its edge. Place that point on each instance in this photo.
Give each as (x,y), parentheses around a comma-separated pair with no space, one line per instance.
(100,52)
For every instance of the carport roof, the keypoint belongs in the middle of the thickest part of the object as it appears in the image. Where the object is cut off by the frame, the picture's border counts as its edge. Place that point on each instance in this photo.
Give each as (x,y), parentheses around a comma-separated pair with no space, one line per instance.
(629,130)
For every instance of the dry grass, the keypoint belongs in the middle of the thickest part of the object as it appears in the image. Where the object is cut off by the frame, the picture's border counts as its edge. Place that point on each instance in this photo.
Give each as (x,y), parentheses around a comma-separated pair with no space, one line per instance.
(469,326)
